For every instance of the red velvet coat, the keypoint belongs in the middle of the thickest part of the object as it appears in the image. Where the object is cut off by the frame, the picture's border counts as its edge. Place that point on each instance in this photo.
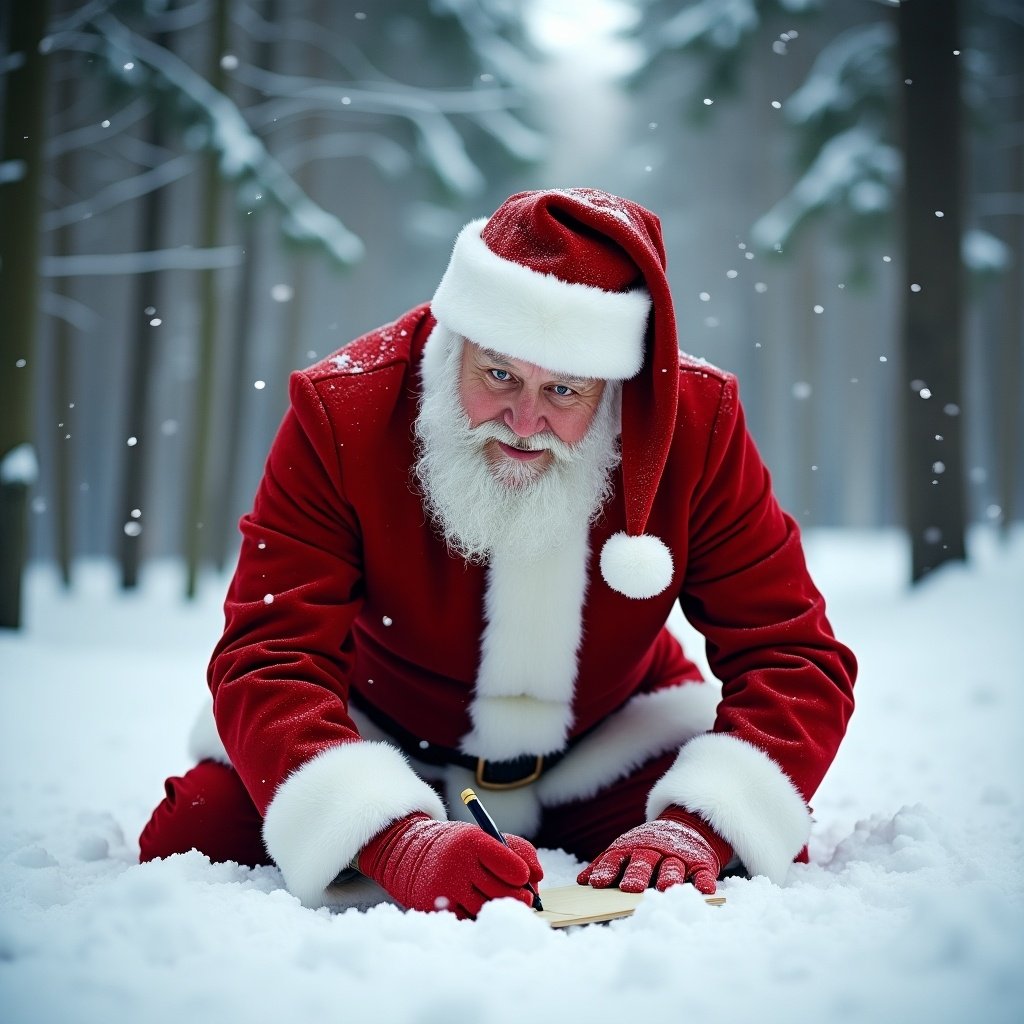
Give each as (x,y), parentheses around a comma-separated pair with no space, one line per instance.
(342,585)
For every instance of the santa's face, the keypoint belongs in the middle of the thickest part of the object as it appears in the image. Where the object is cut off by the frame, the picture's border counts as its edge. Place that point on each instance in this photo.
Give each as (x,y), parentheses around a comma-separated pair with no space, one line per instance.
(508,456)
(534,404)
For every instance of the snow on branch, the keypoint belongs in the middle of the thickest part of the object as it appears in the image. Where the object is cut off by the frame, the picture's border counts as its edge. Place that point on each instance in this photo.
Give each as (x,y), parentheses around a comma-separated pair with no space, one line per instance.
(442,145)
(240,152)
(513,134)
(12,171)
(721,26)
(856,66)
(484,25)
(984,254)
(855,167)
(19,465)
(426,110)
(718,32)
(721,23)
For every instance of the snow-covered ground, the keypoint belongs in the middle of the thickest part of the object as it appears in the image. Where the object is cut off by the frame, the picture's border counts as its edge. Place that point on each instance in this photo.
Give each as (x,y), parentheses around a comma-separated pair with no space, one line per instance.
(912,908)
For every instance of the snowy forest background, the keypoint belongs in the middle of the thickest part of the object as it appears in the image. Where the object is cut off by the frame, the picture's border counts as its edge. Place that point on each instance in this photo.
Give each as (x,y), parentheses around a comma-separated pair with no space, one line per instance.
(198,196)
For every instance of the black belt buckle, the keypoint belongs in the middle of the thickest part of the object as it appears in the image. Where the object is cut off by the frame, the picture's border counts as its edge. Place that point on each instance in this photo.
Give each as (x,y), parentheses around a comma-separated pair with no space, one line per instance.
(511,774)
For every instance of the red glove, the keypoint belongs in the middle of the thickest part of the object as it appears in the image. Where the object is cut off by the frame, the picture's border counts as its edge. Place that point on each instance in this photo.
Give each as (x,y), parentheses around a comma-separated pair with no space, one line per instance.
(448,865)
(676,847)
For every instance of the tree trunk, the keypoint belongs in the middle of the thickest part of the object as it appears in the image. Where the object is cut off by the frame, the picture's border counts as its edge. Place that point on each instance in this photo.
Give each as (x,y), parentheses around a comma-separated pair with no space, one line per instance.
(223,526)
(63,514)
(1008,415)
(24,104)
(63,385)
(933,299)
(222,490)
(292,353)
(197,507)
(143,292)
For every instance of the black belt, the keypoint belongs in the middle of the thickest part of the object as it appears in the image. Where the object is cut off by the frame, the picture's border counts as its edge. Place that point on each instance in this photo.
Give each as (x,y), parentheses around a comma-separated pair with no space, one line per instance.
(508,774)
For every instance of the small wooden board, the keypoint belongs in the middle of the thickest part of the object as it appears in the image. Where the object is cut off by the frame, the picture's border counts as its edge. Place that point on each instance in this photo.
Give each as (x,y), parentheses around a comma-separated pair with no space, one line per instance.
(582,904)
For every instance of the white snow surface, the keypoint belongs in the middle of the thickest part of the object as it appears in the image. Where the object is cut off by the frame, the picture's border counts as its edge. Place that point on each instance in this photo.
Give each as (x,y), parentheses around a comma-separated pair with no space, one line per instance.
(911,910)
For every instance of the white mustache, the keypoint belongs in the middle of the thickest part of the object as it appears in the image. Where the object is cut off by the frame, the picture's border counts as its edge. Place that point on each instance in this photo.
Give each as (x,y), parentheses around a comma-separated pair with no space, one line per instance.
(545,441)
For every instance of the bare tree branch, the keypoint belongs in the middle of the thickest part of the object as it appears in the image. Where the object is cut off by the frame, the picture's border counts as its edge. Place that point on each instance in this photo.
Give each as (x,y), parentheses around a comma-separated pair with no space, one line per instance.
(241,153)
(106,264)
(90,134)
(385,97)
(70,310)
(122,191)
(385,154)
(439,141)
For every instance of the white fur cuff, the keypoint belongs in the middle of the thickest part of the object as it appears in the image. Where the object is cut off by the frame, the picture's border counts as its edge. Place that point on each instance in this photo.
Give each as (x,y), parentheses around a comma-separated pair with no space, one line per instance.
(324,813)
(745,797)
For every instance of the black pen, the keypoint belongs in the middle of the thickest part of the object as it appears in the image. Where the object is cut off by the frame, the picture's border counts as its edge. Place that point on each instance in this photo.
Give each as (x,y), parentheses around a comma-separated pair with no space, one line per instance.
(486,822)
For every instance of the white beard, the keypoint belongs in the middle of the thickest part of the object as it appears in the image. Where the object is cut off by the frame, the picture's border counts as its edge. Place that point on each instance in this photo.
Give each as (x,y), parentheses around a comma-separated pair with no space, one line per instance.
(480,506)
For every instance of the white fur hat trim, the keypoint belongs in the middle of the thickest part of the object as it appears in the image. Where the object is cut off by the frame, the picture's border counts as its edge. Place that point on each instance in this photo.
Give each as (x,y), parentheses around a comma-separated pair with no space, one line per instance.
(565,327)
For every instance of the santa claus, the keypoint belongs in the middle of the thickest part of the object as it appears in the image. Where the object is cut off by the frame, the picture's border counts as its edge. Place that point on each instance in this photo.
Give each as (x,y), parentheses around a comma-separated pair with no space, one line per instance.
(471,529)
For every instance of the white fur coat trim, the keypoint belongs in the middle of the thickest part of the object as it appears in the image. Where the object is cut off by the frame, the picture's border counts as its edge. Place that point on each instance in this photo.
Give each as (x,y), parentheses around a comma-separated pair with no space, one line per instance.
(533,610)
(745,797)
(567,328)
(326,811)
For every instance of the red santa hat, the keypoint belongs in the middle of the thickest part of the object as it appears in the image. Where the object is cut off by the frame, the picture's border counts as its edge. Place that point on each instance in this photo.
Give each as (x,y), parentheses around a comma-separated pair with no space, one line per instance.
(574,280)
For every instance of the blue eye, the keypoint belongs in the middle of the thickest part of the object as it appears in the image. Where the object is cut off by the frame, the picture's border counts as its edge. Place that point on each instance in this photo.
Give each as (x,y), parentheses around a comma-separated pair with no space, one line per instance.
(563,390)
(501,375)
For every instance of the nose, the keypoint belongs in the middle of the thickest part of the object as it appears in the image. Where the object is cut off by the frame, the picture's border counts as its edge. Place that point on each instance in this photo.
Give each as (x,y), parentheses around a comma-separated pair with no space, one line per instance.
(523,415)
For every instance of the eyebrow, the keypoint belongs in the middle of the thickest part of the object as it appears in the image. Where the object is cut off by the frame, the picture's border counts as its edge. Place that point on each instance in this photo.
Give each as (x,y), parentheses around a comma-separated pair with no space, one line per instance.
(577,382)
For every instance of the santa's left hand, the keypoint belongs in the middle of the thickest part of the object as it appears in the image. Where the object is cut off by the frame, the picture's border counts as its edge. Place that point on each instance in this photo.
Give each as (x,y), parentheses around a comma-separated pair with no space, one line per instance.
(676,847)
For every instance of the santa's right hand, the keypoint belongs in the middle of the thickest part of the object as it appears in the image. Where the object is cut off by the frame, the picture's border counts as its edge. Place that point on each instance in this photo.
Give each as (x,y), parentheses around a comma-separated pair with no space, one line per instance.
(448,865)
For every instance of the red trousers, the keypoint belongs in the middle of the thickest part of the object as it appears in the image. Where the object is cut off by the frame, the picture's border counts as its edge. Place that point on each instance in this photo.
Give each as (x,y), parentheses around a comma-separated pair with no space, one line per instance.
(209,810)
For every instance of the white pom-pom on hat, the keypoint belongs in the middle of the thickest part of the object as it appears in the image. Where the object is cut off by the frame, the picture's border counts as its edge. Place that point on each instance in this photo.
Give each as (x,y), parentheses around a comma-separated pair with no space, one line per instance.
(638,567)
